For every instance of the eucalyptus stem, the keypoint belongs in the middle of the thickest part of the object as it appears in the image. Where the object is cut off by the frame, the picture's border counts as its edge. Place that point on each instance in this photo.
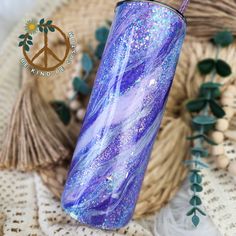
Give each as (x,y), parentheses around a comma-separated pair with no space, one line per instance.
(207,110)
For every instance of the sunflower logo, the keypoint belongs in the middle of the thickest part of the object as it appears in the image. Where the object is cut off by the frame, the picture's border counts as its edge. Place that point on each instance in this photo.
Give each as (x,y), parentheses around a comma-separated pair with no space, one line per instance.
(31,26)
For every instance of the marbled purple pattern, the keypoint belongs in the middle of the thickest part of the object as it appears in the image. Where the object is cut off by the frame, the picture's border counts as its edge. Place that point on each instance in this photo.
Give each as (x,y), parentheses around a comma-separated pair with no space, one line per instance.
(124,114)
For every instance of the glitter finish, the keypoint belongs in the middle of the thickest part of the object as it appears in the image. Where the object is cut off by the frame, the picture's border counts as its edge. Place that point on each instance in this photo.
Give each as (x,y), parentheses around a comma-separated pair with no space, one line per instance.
(124,114)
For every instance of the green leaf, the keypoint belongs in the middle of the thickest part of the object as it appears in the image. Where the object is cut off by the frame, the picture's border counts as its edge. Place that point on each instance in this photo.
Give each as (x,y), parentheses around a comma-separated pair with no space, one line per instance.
(206,66)
(195,171)
(200,211)
(208,140)
(195,178)
(22,36)
(216,93)
(87,62)
(62,110)
(30,42)
(51,28)
(30,37)
(201,164)
(210,85)
(195,220)
(202,136)
(223,39)
(192,211)
(26,47)
(223,68)
(40,28)
(21,44)
(196,105)
(204,120)
(99,50)
(45,30)
(102,34)
(195,163)
(200,128)
(199,179)
(198,136)
(80,86)
(195,201)
(205,93)
(216,109)
(199,151)
(49,22)
(196,188)
(209,90)
(41,21)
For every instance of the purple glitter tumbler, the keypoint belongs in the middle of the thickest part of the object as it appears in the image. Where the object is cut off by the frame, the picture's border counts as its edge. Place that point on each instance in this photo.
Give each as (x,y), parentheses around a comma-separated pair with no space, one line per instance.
(124,113)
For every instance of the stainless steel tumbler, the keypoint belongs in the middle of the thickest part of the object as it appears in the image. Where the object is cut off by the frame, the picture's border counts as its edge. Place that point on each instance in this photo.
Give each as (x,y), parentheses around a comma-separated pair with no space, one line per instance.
(124,113)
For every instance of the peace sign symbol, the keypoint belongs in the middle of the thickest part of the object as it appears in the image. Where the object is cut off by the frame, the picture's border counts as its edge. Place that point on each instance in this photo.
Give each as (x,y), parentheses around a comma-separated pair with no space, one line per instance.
(46,51)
